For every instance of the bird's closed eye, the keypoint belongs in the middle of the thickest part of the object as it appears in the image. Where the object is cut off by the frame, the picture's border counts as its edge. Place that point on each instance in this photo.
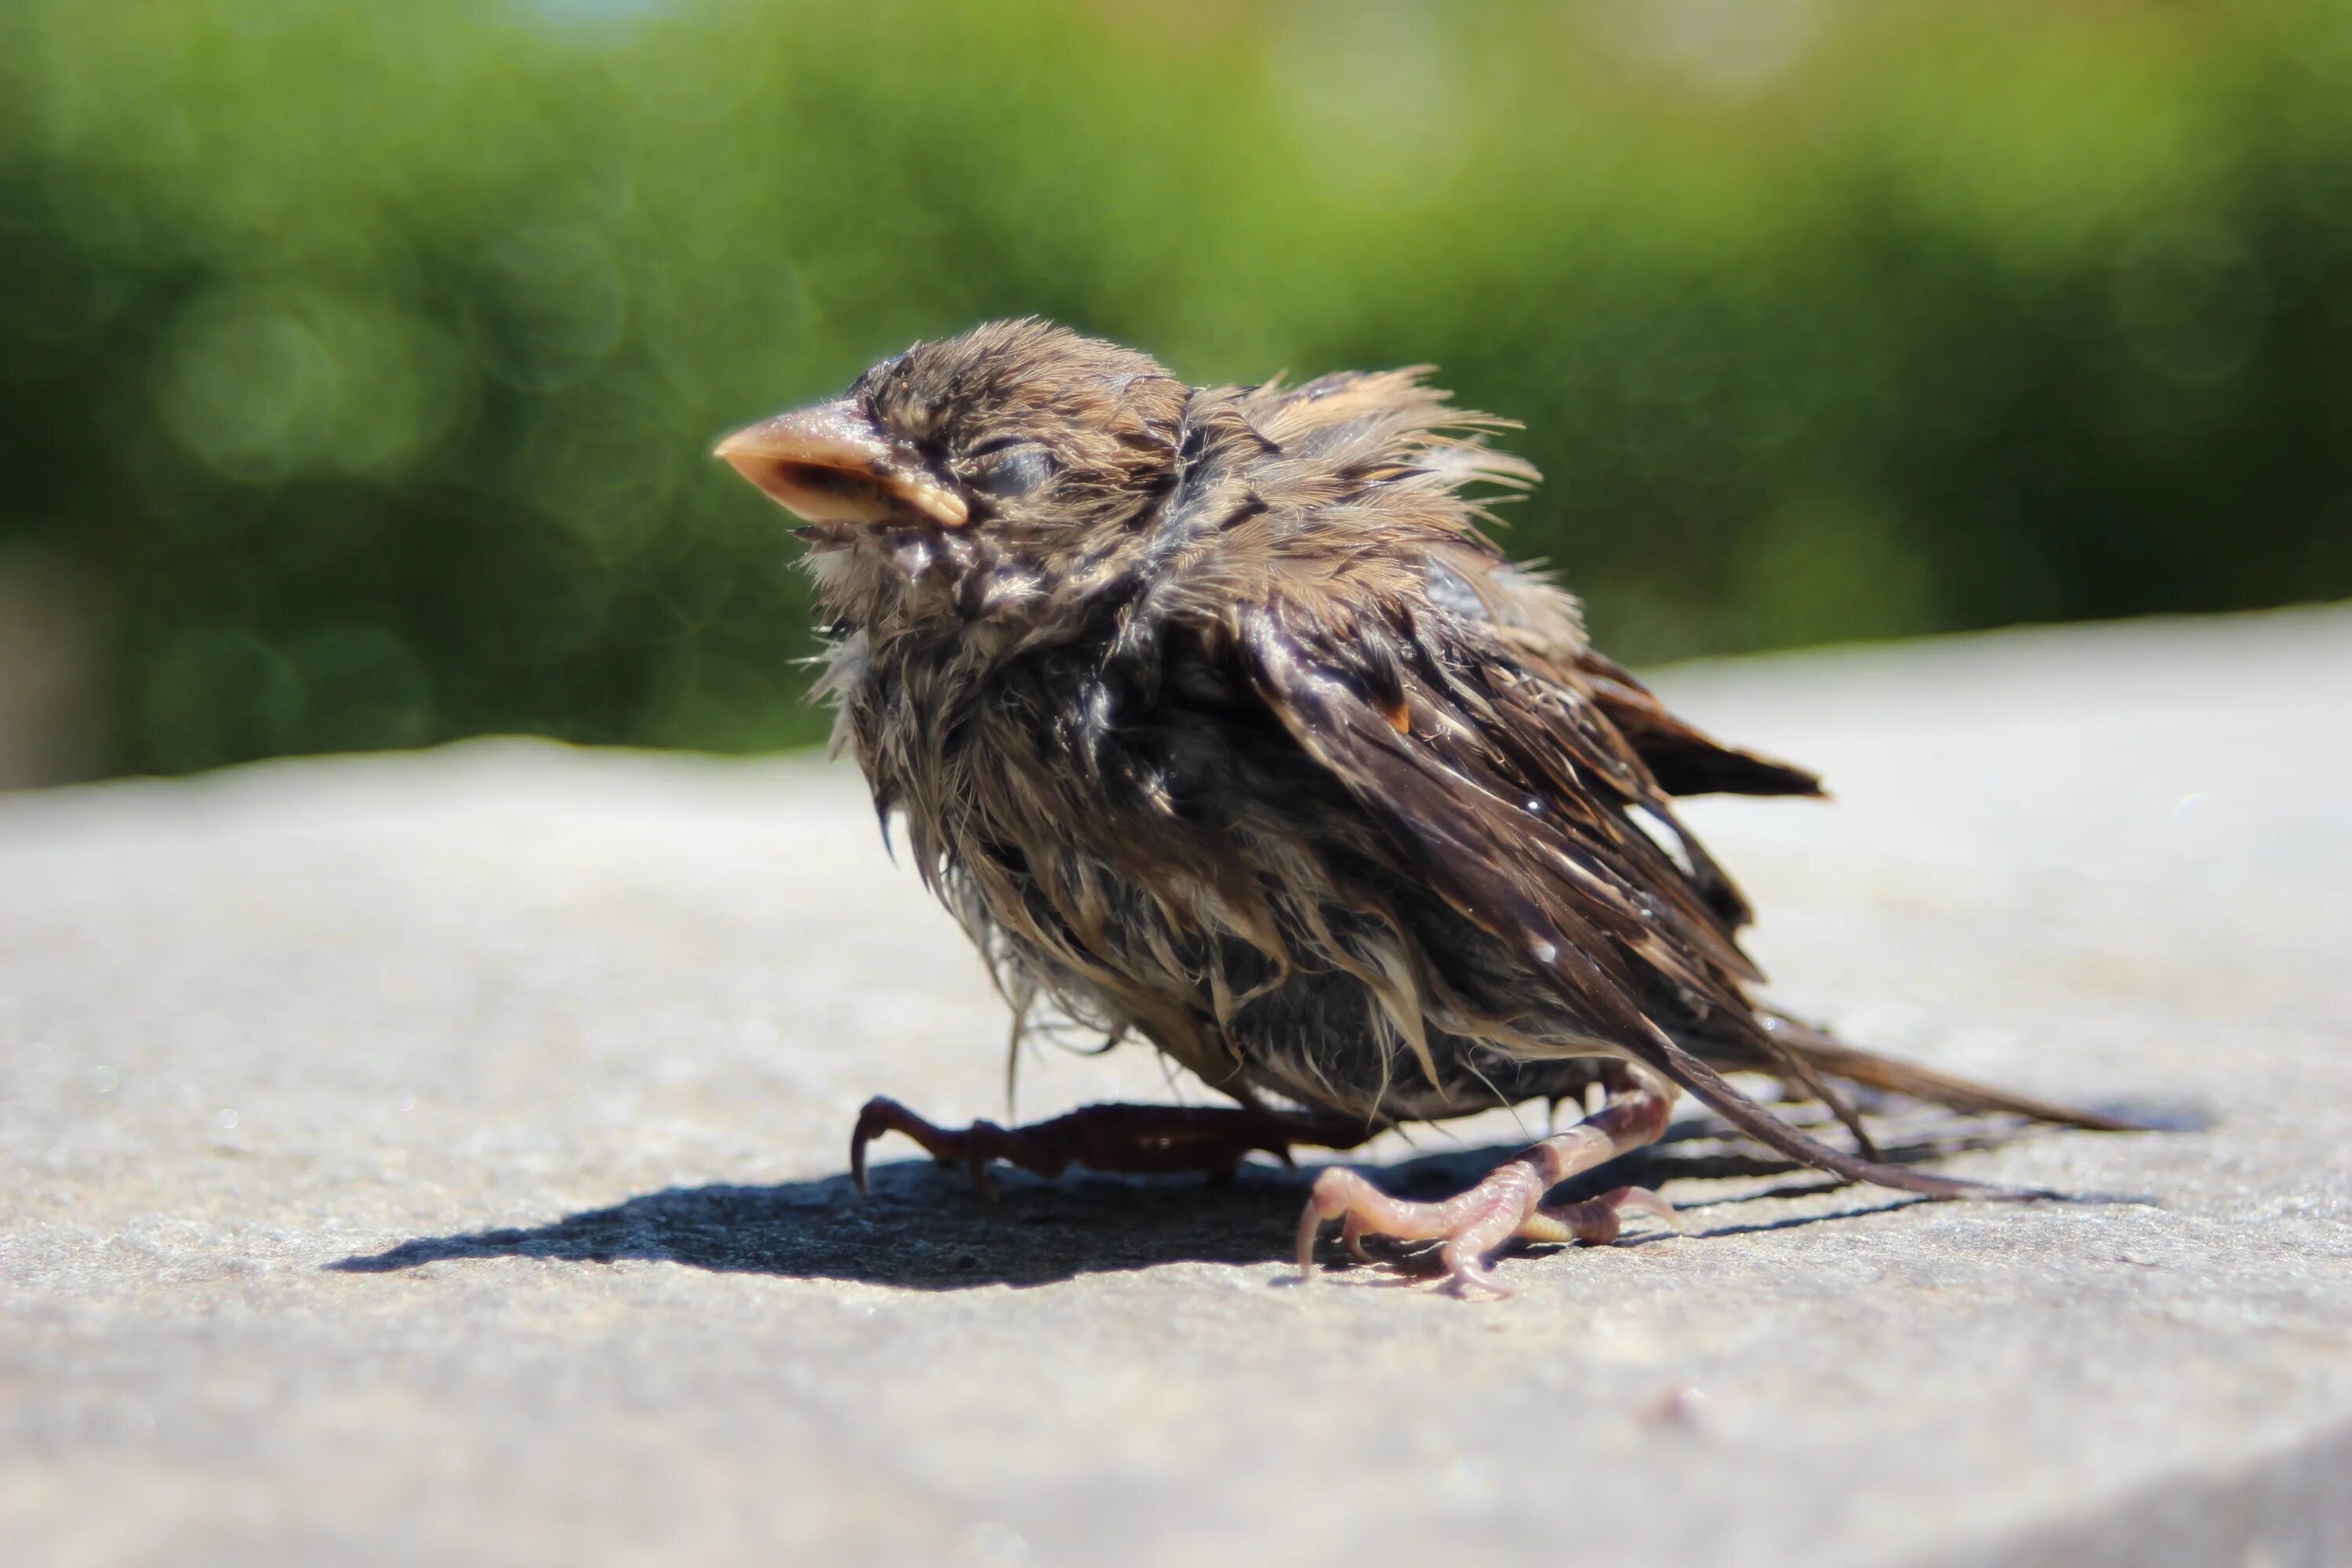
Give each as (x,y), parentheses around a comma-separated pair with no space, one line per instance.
(1010,466)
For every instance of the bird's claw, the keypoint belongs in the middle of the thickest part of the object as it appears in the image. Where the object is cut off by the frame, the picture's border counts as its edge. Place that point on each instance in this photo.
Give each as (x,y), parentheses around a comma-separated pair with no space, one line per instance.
(882,1114)
(1469,1228)
(1509,1205)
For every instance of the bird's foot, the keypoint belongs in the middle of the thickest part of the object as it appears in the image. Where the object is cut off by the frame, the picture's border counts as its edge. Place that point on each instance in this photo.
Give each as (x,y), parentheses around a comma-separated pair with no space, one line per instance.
(1129,1139)
(1508,1206)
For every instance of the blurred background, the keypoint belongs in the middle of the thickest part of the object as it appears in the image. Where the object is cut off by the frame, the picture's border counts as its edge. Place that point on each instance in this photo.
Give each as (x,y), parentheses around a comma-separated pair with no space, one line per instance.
(359,364)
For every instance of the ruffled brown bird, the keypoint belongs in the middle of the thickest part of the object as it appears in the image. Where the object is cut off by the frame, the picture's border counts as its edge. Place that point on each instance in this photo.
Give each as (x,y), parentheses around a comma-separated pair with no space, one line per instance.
(1214,717)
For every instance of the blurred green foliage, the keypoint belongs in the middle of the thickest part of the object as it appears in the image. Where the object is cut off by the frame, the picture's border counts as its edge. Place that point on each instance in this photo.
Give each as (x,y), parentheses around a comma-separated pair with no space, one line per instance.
(364,359)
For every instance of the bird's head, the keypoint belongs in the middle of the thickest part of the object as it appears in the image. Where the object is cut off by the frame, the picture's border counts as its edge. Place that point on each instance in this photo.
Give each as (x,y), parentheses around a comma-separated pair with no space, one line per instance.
(1006,449)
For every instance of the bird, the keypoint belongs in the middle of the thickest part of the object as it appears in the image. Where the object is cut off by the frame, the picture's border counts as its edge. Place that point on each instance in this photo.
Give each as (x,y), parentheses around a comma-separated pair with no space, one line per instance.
(1217,718)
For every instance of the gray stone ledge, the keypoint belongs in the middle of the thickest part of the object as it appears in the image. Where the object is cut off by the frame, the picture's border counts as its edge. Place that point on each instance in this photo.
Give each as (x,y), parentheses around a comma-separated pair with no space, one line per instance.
(439,1158)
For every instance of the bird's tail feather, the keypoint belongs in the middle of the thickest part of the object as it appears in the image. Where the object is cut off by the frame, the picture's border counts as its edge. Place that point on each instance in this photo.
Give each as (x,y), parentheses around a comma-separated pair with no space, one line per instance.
(1821,1056)
(1831,1057)
(1760,1124)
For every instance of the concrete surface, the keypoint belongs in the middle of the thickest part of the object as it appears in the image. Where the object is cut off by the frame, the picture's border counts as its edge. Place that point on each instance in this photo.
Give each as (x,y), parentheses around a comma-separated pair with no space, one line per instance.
(439,1158)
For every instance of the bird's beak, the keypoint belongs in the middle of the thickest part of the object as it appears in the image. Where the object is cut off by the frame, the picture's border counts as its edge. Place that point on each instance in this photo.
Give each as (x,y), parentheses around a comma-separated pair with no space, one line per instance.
(830,464)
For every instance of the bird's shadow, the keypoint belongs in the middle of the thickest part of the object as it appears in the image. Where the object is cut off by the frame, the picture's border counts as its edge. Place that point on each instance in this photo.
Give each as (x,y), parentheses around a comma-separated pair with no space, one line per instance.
(924,1227)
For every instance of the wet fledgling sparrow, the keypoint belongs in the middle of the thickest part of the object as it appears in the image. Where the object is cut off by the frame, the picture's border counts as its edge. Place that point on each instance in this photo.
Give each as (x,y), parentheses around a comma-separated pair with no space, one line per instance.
(1215,719)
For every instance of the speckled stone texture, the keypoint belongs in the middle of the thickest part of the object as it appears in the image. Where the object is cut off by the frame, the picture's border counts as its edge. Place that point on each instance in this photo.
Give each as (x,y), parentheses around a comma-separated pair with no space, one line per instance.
(440,1158)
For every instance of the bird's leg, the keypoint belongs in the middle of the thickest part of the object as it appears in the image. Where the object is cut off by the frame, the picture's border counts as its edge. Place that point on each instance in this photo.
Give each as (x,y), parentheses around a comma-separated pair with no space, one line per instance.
(1509,1203)
(1130,1139)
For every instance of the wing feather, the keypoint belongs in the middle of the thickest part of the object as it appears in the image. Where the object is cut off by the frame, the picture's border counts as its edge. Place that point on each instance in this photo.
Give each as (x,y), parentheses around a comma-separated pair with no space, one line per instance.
(1513,796)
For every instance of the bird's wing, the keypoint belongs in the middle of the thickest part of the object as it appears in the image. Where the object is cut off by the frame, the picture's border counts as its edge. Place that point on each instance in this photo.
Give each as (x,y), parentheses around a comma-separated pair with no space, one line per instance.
(1543,626)
(1518,799)
(1359,432)
(1683,759)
